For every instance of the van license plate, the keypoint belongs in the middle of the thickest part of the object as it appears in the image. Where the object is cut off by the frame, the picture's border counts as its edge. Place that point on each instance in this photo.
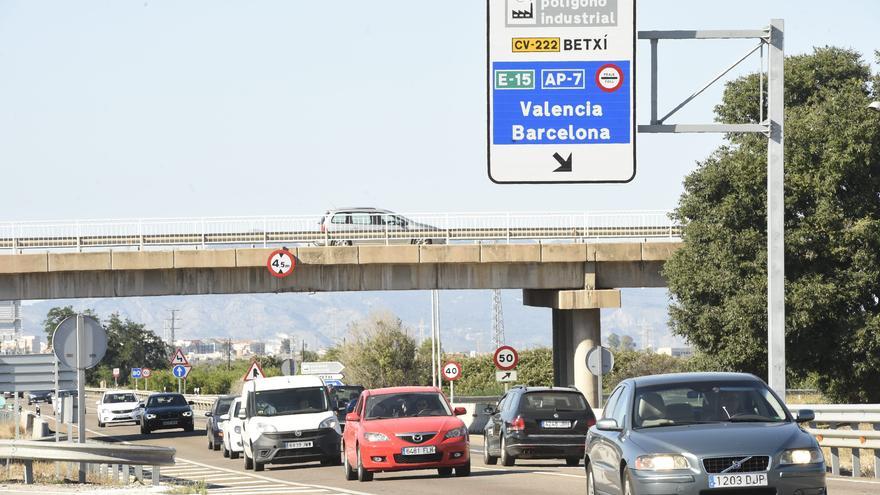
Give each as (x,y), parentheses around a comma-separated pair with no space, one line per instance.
(737,480)
(297,445)
(555,424)
(419,450)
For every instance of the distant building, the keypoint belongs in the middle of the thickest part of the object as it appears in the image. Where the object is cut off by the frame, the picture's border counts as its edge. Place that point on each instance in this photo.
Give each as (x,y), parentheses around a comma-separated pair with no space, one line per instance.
(23,344)
(10,320)
(258,348)
(682,352)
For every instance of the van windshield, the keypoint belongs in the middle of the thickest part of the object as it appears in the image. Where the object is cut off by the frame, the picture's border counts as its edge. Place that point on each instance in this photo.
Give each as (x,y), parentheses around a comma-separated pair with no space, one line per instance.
(290,401)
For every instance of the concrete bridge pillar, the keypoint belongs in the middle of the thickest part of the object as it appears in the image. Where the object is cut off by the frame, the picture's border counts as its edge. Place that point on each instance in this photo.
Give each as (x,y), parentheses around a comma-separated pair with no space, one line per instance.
(576,330)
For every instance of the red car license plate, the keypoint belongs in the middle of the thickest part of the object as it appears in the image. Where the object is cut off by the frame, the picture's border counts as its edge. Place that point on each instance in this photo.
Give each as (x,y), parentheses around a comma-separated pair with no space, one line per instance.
(430,449)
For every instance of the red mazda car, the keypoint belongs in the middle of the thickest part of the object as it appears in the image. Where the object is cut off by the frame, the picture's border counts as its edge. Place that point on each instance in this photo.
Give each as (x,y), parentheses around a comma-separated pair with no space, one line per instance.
(403,428)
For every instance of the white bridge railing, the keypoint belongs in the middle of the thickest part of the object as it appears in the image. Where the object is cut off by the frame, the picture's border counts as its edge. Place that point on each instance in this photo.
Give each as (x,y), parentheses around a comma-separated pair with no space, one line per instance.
(307,230)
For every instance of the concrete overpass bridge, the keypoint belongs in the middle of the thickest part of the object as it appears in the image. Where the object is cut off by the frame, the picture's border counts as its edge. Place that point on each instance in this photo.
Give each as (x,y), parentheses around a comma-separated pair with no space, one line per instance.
(575,271)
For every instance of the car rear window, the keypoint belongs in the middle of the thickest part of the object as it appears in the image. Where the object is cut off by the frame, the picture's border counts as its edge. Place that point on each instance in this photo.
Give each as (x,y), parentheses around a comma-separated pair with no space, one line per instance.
(223,405)
(537,402)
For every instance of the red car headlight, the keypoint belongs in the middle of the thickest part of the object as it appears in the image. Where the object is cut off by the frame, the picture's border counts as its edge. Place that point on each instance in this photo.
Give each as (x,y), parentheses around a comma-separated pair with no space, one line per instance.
(372,436)
(456,432)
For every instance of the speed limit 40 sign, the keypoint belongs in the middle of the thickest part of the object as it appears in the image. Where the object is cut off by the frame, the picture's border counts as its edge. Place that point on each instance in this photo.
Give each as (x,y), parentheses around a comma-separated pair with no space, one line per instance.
(506,358)
(281,263)
(451,371)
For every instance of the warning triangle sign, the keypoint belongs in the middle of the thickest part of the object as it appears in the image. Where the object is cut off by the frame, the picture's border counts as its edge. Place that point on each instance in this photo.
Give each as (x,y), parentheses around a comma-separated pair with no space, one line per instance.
(253,372)
(178,358)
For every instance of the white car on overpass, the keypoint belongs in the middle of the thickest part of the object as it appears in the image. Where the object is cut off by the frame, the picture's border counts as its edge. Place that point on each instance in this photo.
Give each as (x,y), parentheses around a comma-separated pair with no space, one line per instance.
(117,406)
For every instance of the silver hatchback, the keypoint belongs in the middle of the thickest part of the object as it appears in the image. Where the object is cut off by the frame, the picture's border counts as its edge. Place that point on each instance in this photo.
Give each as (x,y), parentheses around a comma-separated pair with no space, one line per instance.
(365,225)
(700,434)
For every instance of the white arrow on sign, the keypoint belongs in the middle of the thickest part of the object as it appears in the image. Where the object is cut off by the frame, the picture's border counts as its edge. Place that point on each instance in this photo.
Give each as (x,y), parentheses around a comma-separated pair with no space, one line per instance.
(321,368)
(505,376)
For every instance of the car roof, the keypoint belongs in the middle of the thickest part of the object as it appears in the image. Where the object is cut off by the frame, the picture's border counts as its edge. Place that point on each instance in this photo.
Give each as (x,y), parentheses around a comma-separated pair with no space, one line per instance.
(677,378)
(546,389)
(118,392)
(282,382)
(164,394)
(368,209)
(400,390)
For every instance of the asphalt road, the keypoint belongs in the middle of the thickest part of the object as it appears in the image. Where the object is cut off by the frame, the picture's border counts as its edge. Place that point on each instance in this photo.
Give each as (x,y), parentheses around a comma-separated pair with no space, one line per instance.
(228,477)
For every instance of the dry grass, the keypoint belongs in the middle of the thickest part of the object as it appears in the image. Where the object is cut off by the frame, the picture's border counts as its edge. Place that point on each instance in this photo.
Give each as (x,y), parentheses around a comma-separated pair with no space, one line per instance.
(190,488)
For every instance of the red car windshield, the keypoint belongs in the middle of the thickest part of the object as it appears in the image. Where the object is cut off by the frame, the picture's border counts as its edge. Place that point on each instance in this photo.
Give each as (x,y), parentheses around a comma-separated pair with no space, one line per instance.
(406,405)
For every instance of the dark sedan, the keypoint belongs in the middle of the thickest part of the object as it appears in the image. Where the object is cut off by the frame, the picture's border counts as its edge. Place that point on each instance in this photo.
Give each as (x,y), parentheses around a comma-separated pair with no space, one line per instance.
(701,433)
(164,411)
(219,410)
(40,396)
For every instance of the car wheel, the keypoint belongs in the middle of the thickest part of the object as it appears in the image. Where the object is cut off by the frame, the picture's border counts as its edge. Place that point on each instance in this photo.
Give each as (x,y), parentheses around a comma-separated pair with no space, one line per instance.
(188,428)
(259,466)
(101,425)
(225,452)
(248,462)
(362,473)
(210,442)
(463,470)
(233,455)
(489,460)
(506,459)
(628,488)
(216,446)
(444,471)
(591,485)
(350,474)
(144,429)
(347,243)
(572,461)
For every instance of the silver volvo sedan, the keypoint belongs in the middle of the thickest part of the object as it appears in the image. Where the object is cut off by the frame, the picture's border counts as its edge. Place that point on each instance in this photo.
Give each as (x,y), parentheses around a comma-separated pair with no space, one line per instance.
(701,434)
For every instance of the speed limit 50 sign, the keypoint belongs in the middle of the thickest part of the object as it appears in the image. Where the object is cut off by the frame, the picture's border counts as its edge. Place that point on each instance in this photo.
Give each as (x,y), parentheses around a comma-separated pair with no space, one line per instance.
(506,358)
(451,371)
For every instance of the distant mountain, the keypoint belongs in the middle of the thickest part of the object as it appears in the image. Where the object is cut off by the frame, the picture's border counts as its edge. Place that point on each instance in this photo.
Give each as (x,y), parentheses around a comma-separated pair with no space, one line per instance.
(322,318)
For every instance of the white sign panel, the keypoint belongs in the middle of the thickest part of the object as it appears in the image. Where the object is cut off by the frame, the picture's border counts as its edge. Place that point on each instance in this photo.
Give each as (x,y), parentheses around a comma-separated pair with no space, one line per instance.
(561,91)
(505,376)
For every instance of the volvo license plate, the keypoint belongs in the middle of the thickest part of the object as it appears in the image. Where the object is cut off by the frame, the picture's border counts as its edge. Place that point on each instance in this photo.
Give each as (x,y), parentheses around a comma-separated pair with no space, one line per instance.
(430,449)
(555,424)
(737,480)
(297,445)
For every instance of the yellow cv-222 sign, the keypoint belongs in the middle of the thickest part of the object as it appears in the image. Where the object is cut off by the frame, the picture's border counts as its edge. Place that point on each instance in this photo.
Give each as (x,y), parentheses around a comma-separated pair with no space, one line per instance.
(535,45)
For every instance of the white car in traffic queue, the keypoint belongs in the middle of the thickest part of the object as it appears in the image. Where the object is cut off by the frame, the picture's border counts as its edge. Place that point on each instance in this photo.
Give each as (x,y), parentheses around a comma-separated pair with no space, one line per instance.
(117,406)
(288,419)
(231,428)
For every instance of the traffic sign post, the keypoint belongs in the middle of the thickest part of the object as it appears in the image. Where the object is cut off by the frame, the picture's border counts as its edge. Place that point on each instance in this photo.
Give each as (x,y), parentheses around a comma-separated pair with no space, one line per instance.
(180,371)
(178,358)
(281,263)
(254,372)
(600,361)
(451,373)
(116,377)
(136,373)
(146,372)
(561,91)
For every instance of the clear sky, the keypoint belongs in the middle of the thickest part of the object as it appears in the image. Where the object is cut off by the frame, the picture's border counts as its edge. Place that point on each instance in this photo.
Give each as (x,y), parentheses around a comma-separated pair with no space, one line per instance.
(121,108)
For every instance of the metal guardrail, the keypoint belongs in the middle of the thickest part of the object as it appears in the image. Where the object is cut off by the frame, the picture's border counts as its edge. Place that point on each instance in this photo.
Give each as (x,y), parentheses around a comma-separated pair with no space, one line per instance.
(98,455)
(840,429)
(380,228)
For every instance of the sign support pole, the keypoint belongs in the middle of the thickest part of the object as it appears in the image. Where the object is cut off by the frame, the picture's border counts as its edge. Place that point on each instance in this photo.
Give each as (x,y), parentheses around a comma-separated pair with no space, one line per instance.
(81,389)
(452,392)
(599,378)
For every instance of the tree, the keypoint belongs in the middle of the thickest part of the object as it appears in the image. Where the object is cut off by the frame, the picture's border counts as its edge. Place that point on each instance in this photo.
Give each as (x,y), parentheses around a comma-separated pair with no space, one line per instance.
(627,343)
(56,315)
(379,353)
(129,345)
(629,363)
(613,341)
(718,279)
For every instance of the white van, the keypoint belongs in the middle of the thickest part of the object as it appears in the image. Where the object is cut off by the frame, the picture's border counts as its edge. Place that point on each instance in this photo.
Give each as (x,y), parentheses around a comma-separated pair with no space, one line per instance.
(288,419)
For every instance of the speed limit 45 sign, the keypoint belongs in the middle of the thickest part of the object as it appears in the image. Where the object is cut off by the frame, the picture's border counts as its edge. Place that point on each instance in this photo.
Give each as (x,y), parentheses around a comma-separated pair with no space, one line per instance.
(451,371)
(506,358)
(281,263)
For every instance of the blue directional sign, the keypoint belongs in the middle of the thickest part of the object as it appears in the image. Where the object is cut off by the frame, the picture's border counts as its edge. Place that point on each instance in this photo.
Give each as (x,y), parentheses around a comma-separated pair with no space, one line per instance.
(561,91)
(180,370)
(136,373)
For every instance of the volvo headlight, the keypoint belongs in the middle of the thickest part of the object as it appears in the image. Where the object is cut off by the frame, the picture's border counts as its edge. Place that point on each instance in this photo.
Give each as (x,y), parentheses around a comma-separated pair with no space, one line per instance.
(187,414)
(375,437)
(661,462)
(151,416)
(801,456)
(456,432)
(265,428)
(330,422)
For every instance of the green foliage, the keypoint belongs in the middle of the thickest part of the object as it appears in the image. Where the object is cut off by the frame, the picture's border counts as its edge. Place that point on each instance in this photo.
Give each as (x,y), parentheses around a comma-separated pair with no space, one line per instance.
(478,373)
(380,353)
(616,342)
(129,345)
(832,233)
(629,363)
